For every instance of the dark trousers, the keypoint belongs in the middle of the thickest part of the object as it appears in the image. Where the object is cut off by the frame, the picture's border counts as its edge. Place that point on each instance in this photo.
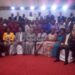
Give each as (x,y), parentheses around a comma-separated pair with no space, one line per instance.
(6,49)
(35,50)
(1,48)
(67,49)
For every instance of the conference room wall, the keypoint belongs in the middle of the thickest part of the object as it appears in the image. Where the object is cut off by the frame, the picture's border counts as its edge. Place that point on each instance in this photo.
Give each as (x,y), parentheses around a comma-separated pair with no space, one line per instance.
(7,13)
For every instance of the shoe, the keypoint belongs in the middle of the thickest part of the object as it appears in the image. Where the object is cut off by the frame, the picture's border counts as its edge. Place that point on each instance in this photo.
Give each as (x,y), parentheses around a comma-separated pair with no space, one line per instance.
(14,54)
(35,54)
(23,54)
(73,61)
(57,60)
(1,56)
(65,63)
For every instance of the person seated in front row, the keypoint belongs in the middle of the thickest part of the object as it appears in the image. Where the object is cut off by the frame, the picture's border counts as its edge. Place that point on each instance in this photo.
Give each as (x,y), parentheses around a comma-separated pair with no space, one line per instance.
(8,39)
(69,45)
(1,44)
(51,39)
(52,36)
(20,40)
(30,41)
(60,39)
(41,37)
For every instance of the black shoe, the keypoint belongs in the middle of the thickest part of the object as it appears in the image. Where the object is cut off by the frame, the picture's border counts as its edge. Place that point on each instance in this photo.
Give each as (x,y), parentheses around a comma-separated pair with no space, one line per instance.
(65,63)
(73,61)
(57,60)
(23,54)
(1,56)
(15,54)
(35,54)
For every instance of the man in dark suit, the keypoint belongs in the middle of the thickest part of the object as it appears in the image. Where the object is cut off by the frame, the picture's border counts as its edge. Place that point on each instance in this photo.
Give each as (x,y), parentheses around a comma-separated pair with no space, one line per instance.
(1,39)
(71,17)
(50,17)
(11,17)
(1,44)
(18,17)
(69,45)
(24,21)
(61,18)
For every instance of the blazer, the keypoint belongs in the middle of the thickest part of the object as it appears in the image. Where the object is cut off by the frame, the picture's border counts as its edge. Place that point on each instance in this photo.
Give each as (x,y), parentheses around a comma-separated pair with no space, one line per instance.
(22,35)
(67,38)
(19,18)
(9,36)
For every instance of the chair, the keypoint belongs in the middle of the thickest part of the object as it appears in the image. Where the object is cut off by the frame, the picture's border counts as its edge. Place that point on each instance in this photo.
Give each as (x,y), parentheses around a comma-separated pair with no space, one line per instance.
(62,56)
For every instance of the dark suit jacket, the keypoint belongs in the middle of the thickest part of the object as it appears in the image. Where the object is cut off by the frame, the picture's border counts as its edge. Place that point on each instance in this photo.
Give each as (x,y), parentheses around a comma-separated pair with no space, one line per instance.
(1,37)
(61,18)
(72,19)
(1,43)
(11,18)
(19,18)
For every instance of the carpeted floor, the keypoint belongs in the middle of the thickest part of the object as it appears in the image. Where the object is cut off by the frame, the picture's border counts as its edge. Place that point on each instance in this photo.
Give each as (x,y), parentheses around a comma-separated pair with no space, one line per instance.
(34,65)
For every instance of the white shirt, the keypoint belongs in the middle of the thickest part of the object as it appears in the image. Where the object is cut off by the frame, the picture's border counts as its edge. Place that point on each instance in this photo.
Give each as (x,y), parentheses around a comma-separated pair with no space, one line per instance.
(27,28)
(67,37)
(17,18)
(31,18)
(62,26)
(21,37)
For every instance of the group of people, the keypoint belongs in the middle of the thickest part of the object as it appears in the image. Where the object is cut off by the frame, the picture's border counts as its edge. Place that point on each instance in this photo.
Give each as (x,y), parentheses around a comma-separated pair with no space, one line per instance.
(31,31)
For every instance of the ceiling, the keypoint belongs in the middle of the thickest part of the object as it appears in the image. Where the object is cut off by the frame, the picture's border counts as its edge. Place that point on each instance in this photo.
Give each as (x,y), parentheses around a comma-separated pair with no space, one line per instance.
(32,2)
